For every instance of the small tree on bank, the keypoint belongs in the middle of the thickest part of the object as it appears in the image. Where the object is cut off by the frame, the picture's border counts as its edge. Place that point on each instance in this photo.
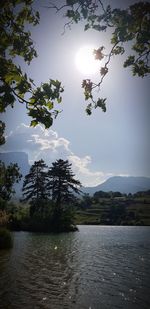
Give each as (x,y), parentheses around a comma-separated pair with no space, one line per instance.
(35,186)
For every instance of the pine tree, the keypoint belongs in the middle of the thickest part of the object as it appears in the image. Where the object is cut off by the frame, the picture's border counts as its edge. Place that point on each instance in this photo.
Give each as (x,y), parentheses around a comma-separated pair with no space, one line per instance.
(62,184)
(35,185)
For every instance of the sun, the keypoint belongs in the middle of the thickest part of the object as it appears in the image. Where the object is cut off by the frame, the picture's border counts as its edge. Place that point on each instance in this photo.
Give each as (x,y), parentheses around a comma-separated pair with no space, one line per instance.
(85,61)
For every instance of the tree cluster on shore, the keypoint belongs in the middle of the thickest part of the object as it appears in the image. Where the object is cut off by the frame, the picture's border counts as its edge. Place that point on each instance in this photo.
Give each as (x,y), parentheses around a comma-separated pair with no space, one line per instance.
(49,203)
(49,192)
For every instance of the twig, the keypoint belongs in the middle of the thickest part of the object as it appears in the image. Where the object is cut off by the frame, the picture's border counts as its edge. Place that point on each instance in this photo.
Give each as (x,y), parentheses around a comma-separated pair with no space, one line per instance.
(105,66)
(53,6)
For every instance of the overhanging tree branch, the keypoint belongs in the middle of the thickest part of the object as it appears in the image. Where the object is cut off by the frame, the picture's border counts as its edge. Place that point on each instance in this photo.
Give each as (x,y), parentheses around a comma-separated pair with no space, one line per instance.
(128,25)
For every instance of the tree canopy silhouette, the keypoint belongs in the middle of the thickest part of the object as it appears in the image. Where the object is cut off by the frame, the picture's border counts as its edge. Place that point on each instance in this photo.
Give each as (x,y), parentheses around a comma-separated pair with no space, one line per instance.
(62,183)
(50,194)
(35,185)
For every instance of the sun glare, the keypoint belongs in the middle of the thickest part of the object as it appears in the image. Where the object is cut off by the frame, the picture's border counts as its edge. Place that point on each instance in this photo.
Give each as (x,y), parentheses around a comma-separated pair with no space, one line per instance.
(85,61)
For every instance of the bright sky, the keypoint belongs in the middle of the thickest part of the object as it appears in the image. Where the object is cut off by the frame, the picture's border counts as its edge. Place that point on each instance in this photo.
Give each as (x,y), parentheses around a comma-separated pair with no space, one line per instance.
(99,146)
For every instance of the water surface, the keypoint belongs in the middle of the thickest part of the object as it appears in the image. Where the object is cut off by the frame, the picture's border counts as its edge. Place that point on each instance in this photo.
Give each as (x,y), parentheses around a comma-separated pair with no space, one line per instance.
(99,267)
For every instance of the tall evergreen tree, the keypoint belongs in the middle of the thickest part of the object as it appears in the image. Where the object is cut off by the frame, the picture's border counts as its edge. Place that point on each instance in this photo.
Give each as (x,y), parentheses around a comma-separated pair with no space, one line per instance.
(35,185)
(62,184)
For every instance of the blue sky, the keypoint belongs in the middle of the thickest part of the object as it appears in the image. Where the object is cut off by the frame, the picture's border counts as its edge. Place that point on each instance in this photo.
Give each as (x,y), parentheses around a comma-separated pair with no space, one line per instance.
(99,146)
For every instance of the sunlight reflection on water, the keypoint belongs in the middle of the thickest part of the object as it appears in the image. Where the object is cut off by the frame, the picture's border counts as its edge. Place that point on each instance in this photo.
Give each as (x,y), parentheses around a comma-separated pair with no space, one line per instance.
(98,267)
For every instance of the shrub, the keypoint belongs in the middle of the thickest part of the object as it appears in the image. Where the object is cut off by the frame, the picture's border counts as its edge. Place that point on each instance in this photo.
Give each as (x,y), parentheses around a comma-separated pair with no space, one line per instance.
(5,239)
(4,218)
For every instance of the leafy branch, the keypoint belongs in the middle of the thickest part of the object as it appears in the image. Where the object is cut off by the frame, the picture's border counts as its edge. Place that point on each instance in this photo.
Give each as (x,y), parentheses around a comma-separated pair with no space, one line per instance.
(129,25)
(40,102)
(89,86)
(14,84)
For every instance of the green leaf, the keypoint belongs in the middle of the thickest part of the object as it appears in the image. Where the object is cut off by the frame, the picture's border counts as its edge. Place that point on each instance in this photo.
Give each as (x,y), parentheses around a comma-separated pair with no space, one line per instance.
(12,77)
(55,83)
(50,105)
(71,2)
(99,28)
(88,111)
(118,50)
(33,123)
(48,121)
(129,61)
(32,101)
(59,100)
(101,103)
(86,27)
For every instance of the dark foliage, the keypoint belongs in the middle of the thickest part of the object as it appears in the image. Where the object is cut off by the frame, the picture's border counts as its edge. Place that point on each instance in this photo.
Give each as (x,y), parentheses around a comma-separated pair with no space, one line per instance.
(5,239)
(8,176)
(35,186)
(50,194)
(15,85)
(61,183)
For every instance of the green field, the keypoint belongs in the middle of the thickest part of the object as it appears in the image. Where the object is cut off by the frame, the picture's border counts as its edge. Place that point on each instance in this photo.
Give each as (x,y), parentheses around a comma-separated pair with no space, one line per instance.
(117,211)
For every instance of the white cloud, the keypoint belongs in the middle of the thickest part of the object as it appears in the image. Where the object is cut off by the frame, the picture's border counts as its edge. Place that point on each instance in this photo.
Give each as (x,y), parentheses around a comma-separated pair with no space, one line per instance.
(49,141)
(33,140)
(83,172)
(46,144)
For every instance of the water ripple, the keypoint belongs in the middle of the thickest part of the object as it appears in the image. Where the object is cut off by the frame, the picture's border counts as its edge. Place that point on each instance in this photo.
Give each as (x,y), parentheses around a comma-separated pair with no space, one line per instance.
(97,268)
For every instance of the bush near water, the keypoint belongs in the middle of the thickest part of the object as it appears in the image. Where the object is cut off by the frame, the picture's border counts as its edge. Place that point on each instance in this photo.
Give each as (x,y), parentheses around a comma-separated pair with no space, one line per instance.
(5,239)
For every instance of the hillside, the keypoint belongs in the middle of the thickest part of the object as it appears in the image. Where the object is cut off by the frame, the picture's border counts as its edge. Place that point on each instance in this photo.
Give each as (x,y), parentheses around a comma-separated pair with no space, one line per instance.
(122,184)
(125,210)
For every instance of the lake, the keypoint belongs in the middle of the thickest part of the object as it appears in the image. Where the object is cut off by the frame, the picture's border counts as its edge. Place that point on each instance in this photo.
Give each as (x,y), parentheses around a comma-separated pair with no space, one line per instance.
(99,267)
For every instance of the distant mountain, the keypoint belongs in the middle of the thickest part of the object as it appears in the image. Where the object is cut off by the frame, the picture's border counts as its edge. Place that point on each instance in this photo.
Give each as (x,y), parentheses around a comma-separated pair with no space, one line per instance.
(117,183)
(21,158)
(122,184)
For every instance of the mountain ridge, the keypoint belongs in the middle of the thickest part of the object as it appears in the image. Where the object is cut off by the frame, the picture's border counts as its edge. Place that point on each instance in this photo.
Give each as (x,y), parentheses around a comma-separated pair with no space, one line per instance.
(123,184)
